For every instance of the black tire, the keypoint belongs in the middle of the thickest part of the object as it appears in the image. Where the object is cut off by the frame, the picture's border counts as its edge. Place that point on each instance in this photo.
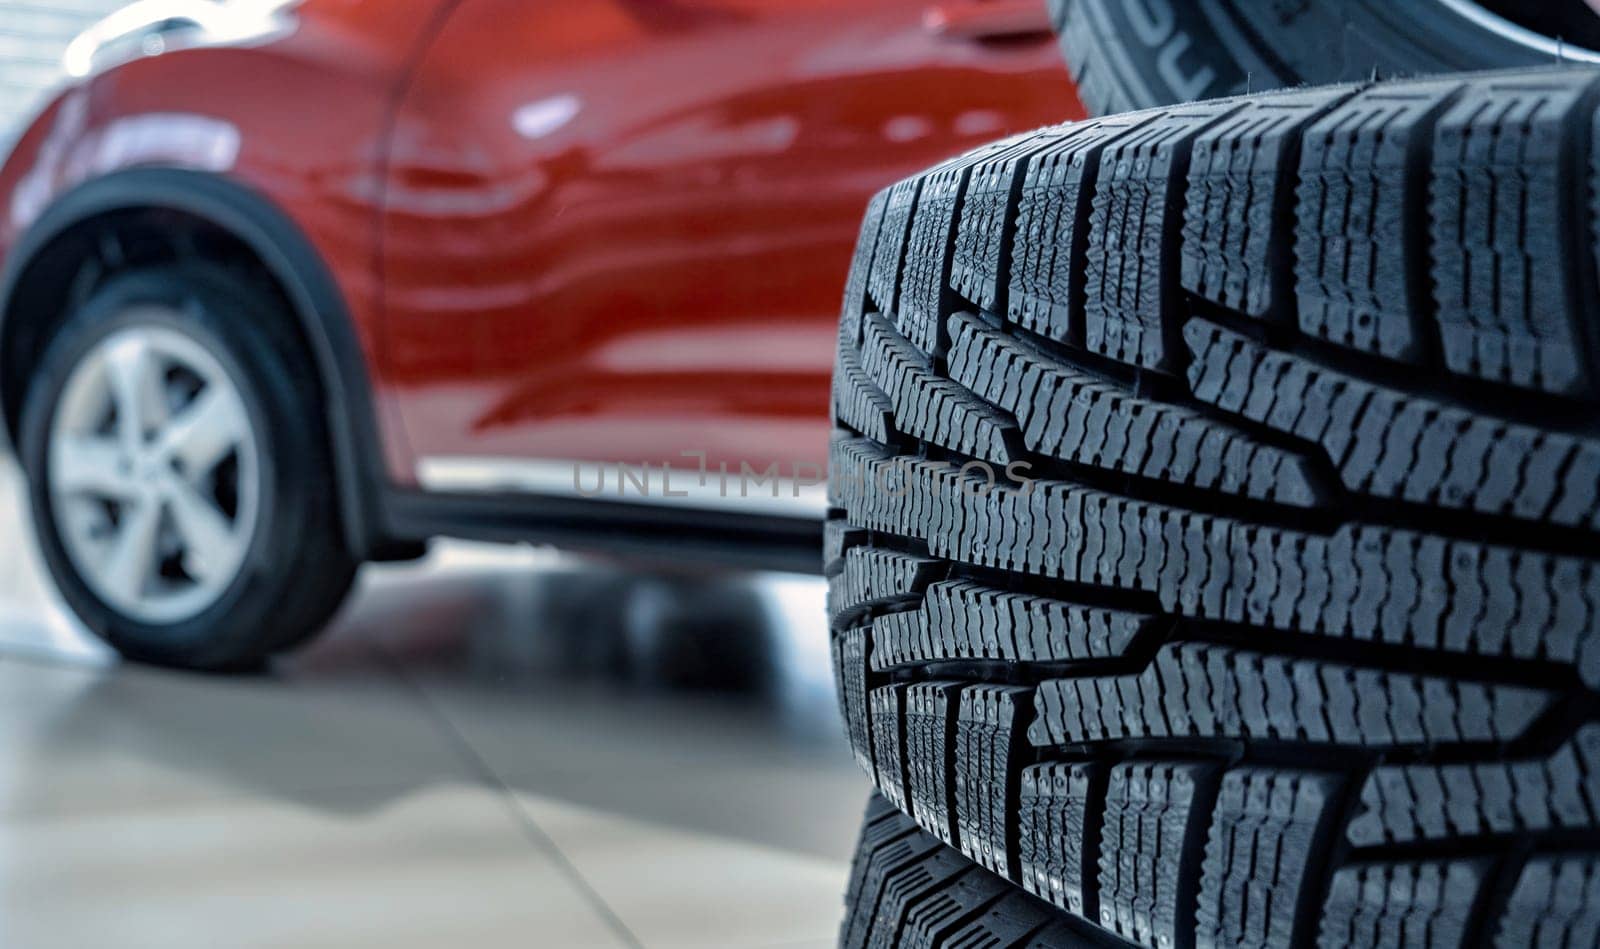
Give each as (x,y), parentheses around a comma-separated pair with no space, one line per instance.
(1138,55)
(298,568)
(1290,629)
(908,889)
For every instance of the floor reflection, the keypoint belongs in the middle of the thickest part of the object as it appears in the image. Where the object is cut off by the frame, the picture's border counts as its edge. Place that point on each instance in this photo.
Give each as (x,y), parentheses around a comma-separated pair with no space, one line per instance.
(686,718)
(505,617)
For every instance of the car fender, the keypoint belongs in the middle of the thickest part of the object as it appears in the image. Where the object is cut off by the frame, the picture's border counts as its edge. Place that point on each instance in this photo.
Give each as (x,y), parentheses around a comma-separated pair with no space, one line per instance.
(292,262)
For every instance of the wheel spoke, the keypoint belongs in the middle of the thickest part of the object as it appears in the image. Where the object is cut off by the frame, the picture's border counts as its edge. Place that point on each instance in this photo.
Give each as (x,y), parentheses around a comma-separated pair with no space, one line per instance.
(146,479)
(131,559)
(208,538)
(89,465)
(203,432)
(136,392)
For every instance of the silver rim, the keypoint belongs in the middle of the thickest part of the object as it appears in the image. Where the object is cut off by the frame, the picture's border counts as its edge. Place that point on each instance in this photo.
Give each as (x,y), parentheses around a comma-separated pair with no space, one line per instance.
(153,473)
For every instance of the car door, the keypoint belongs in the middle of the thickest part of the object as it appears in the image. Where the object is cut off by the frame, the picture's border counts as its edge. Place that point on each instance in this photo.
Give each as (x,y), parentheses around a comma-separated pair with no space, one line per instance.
(618,230)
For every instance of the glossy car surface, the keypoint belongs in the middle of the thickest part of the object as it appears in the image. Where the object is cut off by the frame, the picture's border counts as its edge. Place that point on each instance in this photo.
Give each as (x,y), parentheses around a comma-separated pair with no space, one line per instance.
(522,235)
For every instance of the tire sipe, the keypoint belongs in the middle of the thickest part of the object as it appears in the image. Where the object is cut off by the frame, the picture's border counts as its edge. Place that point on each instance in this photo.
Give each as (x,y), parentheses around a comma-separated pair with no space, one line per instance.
(290,569)
(1215,503)
(1138,54)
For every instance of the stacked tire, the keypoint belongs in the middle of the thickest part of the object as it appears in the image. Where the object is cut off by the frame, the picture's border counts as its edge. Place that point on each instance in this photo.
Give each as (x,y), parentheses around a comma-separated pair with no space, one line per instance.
(1215,495)
(1136,54)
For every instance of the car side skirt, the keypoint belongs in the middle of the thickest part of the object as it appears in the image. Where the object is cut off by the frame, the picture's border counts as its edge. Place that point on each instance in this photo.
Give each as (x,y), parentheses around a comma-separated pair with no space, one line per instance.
(669,533)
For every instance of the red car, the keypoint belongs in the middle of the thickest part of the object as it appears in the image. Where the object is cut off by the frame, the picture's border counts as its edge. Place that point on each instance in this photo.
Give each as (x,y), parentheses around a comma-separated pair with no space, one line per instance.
(290,287)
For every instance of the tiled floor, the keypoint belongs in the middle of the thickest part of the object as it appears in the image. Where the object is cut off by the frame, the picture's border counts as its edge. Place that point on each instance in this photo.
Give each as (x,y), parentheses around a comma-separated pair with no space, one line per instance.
(495,747)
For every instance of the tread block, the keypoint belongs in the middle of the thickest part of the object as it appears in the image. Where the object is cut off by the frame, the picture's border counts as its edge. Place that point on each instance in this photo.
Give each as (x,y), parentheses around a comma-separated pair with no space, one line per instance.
(908,890)
(896,846)
(1013,920)
(1058,833)
(1240,170)
(989,726)
(1412,802)
(931,709)
(1366,582)
(1208,691)
(959,619)
(1050,240)
(1264,831)
(1361,257)
(918,310)
(982,230)
(888,742)
(924,278)
(857,400)
(852,460)
(881,825)
(1509,297)
(1555,904)
(1423,903)
(923,884)
(855,287)
(936,920)
(851,672)
(1082,417)
(1147,877)
(933,921)
(874,577)
(883,279)
(929,406)
(1132,269)
(837,537)
(1392,444)
(983,235)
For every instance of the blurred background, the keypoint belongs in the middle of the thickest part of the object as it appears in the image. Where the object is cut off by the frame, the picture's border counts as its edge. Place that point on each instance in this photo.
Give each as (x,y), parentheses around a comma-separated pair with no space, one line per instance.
(33,37)
(430,772)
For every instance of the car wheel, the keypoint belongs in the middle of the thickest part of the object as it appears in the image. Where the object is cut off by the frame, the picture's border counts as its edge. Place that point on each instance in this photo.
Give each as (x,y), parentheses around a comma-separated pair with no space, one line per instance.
(1215,496)
(179,473)
(1128,56)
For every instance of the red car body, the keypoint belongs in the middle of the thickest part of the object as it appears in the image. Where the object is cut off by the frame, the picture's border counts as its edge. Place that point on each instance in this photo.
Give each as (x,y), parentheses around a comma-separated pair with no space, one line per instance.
(562,230)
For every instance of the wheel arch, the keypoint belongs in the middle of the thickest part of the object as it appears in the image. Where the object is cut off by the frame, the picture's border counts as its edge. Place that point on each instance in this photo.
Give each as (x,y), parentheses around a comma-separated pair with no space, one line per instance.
(51,263)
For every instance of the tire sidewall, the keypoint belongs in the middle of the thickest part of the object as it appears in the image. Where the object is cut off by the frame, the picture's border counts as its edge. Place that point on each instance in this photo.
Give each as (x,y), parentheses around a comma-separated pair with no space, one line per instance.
(225,316)
(1154,53)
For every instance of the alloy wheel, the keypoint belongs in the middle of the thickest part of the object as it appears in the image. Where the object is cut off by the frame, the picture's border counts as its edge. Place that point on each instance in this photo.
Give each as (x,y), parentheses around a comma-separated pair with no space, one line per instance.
(153,472)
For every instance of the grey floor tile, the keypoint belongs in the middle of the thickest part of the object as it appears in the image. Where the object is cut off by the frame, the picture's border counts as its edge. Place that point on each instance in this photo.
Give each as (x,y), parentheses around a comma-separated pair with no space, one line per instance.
(678,889)
(79,740)
(444,866)
(793,808)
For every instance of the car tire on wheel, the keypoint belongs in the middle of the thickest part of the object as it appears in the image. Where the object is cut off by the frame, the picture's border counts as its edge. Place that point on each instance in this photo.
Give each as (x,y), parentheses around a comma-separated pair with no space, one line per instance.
(1215,497)
(178,470)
